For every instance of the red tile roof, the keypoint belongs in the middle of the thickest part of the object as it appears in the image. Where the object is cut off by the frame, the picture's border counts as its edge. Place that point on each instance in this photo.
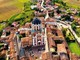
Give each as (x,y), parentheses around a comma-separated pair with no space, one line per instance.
(51,42)
(46,56)
(61,48)
(26,41)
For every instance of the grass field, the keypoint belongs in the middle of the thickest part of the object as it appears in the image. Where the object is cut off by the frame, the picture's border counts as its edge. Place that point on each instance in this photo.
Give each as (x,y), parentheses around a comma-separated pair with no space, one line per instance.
(73,3)
(74,47)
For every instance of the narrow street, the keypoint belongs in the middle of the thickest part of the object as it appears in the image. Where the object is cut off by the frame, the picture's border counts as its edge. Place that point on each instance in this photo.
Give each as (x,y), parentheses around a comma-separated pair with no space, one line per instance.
(46,42)
(43,4)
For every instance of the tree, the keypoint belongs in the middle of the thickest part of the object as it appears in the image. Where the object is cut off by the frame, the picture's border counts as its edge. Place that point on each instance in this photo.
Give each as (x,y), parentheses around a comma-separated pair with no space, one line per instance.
(79,14)
(0,32)
(51,14)
(73,26)
(64,31)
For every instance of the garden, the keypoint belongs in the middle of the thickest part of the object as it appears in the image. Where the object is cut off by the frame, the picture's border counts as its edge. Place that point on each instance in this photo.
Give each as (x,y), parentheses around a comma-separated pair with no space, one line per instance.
(73,45)
(75,28)
(69,36)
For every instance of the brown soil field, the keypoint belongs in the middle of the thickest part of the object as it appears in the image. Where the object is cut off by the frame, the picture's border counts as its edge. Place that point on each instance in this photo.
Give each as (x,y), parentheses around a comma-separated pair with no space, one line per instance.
(8,8)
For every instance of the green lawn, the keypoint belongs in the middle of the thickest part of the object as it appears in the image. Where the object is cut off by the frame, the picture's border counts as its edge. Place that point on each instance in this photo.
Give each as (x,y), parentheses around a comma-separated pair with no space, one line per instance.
(74,47)
(1,44)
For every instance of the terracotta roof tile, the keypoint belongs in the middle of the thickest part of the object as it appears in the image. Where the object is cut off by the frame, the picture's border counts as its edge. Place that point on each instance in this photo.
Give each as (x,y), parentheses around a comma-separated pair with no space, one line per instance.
(46,56)
(61,48)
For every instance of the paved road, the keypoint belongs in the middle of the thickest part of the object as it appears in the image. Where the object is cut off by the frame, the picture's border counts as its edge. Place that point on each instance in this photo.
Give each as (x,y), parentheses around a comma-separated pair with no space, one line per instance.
(46,42)
(17,43)
(43,4)
(47,16)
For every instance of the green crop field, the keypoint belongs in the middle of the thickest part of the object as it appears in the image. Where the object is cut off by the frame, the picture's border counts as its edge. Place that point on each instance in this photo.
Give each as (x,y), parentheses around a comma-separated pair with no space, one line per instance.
(23,0)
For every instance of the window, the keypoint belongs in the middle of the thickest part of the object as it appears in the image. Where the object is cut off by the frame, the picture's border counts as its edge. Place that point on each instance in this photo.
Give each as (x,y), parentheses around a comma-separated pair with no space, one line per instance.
(43,40)
(34,40)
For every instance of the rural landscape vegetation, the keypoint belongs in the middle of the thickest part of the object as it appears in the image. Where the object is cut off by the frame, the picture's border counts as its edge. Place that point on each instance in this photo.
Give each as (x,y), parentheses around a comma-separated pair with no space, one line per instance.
(20,11)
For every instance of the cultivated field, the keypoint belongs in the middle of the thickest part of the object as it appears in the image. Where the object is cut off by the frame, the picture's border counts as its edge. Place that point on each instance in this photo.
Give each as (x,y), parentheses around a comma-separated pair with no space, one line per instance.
(73,3)
(9,8)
